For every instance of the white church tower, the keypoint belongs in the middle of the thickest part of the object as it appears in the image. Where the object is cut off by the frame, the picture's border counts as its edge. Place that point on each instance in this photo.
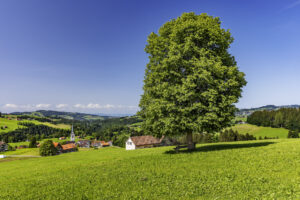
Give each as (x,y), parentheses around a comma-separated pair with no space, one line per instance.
(72,138)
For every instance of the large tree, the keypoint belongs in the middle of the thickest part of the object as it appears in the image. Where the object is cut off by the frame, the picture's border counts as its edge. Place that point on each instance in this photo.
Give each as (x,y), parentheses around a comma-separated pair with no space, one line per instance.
(191,81)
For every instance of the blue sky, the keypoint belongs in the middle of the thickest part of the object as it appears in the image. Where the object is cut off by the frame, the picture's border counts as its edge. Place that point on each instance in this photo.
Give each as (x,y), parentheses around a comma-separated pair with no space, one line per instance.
(88,56)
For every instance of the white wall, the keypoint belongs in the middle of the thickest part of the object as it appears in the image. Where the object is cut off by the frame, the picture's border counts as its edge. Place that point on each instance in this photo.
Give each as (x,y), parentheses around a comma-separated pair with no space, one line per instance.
(2,156)
(130,145)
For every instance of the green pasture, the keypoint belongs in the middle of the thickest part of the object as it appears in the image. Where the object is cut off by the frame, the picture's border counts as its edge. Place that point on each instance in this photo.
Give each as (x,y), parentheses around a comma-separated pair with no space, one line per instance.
(266,169)
(261,131)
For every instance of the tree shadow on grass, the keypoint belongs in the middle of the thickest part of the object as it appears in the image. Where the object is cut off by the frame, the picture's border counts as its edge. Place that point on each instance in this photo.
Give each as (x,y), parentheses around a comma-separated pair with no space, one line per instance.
(220,146)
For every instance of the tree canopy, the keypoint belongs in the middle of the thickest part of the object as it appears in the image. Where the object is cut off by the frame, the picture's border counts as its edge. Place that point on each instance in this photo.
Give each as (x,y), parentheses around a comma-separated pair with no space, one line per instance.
(191,81)
(47,148)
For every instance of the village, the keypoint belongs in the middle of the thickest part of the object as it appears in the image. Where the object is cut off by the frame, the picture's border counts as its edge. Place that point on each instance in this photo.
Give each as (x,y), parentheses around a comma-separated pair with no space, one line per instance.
(71,145)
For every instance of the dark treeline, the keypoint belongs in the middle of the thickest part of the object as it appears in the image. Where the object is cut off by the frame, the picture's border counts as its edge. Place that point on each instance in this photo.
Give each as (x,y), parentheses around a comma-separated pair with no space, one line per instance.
(288,118)
(231,135)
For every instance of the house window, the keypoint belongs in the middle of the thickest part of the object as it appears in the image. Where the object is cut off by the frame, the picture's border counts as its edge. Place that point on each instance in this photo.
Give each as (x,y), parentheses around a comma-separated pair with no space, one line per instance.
(129,143)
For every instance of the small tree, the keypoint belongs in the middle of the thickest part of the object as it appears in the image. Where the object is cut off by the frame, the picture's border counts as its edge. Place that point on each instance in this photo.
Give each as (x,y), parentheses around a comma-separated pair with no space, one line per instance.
(10,148)
(32,143)
(47,148)
(293,134)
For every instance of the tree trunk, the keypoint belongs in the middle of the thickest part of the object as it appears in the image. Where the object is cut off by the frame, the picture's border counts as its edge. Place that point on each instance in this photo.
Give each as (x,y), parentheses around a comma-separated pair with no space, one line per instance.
(190,143)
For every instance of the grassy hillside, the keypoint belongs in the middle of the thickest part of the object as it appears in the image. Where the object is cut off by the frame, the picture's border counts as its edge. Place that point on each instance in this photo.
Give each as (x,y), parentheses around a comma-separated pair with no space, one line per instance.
(13,124)
(242,170)
(261,131)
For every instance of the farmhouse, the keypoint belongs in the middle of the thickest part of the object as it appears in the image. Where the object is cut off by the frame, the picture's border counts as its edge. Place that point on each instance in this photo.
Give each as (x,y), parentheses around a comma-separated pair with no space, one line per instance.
(84,143)
(139,142)
(71,147)
(98,144)
(3,146)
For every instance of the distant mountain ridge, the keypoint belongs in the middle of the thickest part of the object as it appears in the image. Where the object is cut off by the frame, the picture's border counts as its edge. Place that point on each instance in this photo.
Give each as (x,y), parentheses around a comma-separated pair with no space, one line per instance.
(248,111)
(62,114)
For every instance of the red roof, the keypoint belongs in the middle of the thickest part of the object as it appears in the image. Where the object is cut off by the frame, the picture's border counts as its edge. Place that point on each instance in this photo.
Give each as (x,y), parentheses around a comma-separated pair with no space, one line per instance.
(145,140)
(55,144)
(68,146)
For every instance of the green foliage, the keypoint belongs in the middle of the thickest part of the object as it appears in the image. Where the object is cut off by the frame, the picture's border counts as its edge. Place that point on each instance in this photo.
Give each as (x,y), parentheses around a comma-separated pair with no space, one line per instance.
(10,148)
(33,142)
(239,170)
(47,148)
(288,118)
(293,134)
(63,142)
(230,135)
(191,81)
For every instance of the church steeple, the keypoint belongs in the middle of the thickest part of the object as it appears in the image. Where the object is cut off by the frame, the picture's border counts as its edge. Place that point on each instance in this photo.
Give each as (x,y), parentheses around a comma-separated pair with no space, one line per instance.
(72,138)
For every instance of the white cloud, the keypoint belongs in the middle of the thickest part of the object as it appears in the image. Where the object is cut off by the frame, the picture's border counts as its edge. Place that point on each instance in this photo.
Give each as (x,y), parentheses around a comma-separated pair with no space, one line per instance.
(91,105)
(79,106)
(61,105)
(10,105)
(43,105)
(109,106)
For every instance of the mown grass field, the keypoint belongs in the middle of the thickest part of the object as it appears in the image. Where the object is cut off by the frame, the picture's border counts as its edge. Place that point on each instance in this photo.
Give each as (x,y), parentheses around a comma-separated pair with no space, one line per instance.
(261,131)
(13,124)
(266,169)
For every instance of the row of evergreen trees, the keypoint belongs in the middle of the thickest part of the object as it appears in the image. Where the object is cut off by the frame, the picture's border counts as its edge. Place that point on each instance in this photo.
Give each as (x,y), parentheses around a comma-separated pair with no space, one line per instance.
(288,118)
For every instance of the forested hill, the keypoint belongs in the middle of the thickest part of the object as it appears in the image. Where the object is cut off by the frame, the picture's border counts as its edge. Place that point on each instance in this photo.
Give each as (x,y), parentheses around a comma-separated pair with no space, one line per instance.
(63,115)
(249,111)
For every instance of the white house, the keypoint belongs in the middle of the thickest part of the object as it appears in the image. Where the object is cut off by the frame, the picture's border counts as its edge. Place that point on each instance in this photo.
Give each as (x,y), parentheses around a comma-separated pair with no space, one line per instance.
(130,145)
(139,142)
(2,156)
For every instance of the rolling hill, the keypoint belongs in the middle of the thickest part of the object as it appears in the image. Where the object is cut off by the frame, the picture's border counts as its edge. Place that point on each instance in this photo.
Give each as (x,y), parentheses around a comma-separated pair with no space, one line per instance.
(12,124)
(64,115)
(248,111)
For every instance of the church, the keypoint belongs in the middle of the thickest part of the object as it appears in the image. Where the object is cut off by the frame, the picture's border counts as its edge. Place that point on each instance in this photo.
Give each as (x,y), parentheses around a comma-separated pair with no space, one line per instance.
(72,138)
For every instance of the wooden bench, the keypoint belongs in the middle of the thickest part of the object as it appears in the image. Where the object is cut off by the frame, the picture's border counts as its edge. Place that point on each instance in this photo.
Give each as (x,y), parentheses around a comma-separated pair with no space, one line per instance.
(177,148)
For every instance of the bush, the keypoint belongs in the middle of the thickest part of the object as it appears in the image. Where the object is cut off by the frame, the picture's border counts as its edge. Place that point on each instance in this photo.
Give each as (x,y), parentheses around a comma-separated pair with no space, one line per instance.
(47,148)
(32,143)
(293,134)
(10,148)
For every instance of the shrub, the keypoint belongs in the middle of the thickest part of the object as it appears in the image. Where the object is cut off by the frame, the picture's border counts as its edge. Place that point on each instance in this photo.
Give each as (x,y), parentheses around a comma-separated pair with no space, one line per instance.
(10,148)
(293,134)
(32,143)
(231,135)
(47,148)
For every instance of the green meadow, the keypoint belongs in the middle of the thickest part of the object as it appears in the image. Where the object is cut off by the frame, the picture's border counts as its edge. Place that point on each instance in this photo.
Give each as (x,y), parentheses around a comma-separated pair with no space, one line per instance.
(267,169)
(258,131)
